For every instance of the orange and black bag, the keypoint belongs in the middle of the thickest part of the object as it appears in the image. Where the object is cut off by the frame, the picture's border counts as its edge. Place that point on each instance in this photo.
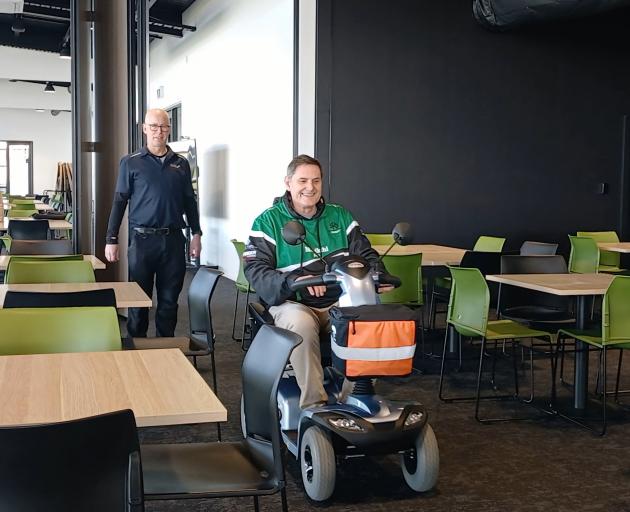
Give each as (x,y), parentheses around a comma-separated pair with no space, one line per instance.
(373,341)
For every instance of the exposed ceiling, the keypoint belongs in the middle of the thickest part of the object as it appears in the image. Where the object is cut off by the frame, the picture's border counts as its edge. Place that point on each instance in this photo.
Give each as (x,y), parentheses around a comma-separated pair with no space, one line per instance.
(44,24)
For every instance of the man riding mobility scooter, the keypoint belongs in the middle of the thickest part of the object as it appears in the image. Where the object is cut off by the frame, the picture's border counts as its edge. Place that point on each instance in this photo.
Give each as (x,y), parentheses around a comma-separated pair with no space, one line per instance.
(368,340)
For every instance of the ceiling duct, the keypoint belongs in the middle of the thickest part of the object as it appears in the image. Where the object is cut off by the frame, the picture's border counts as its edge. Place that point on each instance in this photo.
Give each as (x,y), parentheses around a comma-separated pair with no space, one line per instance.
(500,15)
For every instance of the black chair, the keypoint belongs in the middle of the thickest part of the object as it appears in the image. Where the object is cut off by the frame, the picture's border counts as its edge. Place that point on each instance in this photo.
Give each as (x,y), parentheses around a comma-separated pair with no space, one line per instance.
(28,229)
(105,297)
(41,247)
(486,262)
(538,249)
(200,341)
(251,467)
(536,309)
(87,464)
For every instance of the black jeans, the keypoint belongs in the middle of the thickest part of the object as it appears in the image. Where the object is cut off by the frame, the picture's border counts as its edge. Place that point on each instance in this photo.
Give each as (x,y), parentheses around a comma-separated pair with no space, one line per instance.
(159,257)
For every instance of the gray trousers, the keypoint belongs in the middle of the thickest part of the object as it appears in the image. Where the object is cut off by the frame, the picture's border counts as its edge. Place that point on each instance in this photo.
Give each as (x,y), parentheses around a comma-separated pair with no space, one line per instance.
(306,357)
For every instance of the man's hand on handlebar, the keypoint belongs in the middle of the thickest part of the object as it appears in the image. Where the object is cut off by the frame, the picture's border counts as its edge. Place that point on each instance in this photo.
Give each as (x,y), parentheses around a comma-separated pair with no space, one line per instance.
(384,288)
(316,291)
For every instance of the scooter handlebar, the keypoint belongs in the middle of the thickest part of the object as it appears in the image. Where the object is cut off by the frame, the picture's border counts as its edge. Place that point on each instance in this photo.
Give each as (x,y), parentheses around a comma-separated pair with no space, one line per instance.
(323,280)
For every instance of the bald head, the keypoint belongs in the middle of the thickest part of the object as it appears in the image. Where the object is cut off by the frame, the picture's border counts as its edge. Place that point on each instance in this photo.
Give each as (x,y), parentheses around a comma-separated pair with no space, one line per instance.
(156,127)
(156,115)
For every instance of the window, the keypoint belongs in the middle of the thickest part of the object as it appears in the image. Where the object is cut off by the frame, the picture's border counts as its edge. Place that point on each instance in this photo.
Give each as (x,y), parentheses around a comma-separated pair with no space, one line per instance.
(175,118)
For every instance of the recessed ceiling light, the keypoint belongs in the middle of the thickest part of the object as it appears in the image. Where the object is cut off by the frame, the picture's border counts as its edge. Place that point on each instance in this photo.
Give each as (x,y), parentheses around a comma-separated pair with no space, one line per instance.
(39,110)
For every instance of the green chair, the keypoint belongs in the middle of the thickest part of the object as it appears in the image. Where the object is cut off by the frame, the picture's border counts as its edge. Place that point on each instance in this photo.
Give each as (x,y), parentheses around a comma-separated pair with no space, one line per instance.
(52,271)
(489,244)
(584,257)
(613,334)
(21,201)
(468,314)
(380,238)
(242,286)
(5,240)
(53,330)
(27,205)
(608,261)
(408,268)
(17,213)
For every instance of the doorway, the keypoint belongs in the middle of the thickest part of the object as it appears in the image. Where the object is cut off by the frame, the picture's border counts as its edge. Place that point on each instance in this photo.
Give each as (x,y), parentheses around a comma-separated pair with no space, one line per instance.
(16,167)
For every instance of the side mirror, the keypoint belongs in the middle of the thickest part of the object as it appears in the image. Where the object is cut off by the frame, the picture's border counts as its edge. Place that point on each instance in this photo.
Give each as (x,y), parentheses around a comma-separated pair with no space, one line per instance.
(402,233)
(293,233)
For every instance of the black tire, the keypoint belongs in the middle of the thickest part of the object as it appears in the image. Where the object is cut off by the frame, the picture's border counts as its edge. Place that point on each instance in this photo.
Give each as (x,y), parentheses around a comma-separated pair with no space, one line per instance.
(317,464)
(421,466)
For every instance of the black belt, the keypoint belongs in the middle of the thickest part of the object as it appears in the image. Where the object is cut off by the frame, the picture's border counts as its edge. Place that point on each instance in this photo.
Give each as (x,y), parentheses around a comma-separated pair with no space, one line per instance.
(153,231)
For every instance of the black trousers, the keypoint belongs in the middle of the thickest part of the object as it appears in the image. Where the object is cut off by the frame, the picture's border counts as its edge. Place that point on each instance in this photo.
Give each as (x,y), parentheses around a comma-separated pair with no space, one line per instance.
(158,258)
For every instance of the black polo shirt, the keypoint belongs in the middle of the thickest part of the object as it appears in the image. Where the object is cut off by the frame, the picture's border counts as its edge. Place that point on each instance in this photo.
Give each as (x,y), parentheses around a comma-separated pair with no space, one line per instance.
(159,193)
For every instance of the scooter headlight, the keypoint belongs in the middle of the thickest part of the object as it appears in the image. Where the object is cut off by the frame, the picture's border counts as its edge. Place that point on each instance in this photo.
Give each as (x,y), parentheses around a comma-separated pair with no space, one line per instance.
(413,418)
(346,424)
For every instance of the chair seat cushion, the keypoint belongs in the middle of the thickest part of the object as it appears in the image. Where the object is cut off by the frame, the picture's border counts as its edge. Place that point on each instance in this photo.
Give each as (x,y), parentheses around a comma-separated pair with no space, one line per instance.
(537,314)
(506,329)
(204,470)
(613,269)
(593,337)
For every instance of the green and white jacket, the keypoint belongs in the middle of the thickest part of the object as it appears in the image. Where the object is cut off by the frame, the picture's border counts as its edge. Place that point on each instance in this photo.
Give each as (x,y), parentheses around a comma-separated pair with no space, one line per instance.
(270,263)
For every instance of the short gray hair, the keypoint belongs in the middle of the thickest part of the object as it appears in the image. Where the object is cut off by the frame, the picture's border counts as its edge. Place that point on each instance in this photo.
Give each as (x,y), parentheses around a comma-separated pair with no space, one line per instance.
(303,160)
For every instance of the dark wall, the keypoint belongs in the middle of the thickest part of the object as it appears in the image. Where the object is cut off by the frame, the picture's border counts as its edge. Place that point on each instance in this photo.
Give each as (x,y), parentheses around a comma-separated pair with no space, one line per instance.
(424,116)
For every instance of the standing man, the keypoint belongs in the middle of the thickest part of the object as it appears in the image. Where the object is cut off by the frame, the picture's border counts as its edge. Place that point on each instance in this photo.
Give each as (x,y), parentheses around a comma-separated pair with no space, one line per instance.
(157,185)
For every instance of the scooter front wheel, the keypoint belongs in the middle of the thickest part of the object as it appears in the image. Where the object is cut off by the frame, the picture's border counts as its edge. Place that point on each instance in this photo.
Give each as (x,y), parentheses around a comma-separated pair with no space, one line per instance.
(317,464)
(421,465)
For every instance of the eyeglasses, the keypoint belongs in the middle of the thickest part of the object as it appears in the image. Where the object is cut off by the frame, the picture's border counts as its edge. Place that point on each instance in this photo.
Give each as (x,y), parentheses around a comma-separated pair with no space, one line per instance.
(162,127)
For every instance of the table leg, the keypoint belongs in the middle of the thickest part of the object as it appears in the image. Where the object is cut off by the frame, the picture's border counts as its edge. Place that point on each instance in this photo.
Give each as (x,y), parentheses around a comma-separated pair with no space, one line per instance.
(581,357)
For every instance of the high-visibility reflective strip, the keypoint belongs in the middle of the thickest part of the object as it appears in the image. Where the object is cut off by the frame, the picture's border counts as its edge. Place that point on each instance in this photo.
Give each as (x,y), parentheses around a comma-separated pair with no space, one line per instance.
(374,354)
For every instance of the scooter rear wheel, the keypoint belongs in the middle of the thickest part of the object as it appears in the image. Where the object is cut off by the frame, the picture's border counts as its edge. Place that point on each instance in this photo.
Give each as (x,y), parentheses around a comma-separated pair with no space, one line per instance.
(317,464)
(421,466)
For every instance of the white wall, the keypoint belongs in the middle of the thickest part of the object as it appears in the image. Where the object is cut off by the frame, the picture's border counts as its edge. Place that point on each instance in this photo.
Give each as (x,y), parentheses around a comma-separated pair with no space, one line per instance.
(234,80)
(51,136)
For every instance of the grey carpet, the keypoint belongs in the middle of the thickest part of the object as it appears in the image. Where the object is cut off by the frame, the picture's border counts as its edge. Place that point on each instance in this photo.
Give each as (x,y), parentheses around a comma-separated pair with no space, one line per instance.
(541,465)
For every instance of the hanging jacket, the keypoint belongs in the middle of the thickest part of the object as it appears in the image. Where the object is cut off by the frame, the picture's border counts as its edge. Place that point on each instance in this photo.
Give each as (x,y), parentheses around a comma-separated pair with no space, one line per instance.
(270,264)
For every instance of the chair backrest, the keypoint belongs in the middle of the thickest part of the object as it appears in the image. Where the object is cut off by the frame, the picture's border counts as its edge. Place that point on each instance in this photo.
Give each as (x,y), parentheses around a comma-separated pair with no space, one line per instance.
(511,296)
(28,229)
(85,464)
(584,258)
(469,302)
(241,281)
(22,201)
(605,257)
(26,272)
(489,244)
(52,330)
(261,372)
(32,247)
(28,205)
(408,268)
(530,248)
(486,262)
(104,297)
(616,311)
(380,238)
(16,212)
(200,293)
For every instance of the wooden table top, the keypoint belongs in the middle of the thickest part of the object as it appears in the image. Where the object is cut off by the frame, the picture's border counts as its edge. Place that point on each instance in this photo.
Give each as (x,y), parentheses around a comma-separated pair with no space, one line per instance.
(128,294)
(558,284)
(160,386)
(96,263)
(432,255)
(52,224)
(614,247)
(38,206)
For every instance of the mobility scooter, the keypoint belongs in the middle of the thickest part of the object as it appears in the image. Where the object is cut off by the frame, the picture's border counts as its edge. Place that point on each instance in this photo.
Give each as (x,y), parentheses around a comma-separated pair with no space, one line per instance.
(363,422)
